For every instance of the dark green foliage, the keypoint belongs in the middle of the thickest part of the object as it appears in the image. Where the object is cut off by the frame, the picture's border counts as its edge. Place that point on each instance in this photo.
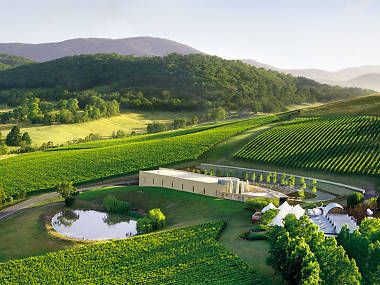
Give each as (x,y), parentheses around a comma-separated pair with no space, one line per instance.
(172,82)
(155,127)
(3,147)
(3,196)
(14,137)
(67,191)
(179,123)
(9,61)
(26,139)
(337,144)
(268,216)
(305,256)
(364,246)
(355,199)
(257,236)
(119,134)
(113,205)
(257,204)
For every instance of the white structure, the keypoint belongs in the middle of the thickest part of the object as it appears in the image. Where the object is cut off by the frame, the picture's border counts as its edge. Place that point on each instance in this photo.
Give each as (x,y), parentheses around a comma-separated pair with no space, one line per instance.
(284,210)
(331,224)
(268,207)
(222,187)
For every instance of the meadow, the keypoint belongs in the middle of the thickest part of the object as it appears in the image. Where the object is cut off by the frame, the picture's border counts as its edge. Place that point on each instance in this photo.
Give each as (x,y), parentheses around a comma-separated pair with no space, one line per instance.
(348,145)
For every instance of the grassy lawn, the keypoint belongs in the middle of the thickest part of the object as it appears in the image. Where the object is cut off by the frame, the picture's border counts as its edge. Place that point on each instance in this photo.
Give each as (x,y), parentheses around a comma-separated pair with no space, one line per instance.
(127,122)
(181,209)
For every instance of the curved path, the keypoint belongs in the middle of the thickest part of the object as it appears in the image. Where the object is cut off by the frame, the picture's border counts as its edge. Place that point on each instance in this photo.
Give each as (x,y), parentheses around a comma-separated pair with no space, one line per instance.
(11,210)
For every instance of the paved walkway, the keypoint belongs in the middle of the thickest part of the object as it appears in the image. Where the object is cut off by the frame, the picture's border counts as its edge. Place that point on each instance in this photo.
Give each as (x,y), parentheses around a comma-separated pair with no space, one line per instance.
(11,210)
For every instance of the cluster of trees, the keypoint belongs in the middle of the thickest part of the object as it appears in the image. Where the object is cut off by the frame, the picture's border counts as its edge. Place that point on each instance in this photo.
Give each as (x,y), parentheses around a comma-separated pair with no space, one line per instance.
(364,246)
(65,111)
(153,221)
(114,205)
(178,123)
(304,255)
(173,82)
(15,138)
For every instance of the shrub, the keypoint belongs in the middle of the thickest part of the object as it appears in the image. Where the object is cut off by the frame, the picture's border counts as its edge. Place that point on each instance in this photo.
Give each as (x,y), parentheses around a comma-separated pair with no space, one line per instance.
(144,225)
(257,236)
(68,192)
(354,200)
(257,204)
(158,219)
(268,216)
(113,205)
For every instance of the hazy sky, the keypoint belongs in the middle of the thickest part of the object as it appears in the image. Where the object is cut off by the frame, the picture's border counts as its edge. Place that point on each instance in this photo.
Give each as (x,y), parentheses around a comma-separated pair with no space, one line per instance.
(291,34)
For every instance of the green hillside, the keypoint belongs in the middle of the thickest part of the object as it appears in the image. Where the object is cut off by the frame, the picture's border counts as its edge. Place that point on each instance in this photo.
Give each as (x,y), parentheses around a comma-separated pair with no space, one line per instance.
(180,256)
(184,82)
(344,144)
(365,105)
(9,61)
(43,170)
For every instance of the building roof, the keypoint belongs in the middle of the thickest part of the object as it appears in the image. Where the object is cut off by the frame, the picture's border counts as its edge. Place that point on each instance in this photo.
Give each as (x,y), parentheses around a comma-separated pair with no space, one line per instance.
(277,221)
(184,175)
(297,211)
(270,206)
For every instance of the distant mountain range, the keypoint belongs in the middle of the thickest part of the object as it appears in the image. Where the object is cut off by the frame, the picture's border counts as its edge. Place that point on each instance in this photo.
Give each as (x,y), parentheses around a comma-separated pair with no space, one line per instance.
(367,76)
(138,46)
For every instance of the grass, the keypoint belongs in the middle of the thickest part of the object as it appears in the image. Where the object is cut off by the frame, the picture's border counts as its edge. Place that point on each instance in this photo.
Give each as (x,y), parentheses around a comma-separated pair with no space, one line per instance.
(128,122)
(363,105)
(182,209)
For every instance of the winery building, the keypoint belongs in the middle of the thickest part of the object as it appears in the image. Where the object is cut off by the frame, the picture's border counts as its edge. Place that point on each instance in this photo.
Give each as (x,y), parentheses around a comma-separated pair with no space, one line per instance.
(221,187)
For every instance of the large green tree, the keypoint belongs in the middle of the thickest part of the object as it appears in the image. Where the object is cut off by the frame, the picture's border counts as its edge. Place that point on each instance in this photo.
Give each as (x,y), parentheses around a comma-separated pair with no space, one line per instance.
(14,137)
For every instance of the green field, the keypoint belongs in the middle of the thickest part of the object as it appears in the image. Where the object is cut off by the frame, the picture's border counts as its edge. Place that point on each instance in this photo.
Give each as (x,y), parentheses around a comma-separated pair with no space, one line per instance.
(363,105)
(174,257)
(43,170)
(347,145)
(181,209)
(127,122)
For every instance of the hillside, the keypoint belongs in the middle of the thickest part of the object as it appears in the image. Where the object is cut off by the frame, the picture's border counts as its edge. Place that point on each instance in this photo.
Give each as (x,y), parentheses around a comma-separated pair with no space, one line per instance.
(366,76)
(138,46)
(9,61)
(370,80)
(365,105)
(172,82)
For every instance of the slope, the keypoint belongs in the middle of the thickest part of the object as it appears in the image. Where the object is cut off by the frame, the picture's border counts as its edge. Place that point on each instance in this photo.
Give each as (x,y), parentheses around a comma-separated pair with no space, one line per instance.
(365,105)
(9,61)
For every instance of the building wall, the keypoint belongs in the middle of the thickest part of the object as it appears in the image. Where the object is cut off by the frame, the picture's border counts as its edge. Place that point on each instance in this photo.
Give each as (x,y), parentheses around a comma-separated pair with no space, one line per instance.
(158,180)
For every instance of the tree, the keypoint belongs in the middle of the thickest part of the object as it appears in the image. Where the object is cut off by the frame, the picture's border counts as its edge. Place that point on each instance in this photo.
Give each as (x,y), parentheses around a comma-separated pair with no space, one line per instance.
(253,178)
(3,147)
(355,199)
(179,123)
(219,114)
(26,138)
(68,192)
(14,137)
(119,134)
(269,178)
(156,127)
(261,178)
(194,120)
(3,196)
(158,218)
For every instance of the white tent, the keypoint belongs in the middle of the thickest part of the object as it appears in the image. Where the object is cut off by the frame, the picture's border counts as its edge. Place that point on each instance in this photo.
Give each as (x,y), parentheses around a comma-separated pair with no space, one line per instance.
(277,221)
(285,207)
(270,206)
(297,211)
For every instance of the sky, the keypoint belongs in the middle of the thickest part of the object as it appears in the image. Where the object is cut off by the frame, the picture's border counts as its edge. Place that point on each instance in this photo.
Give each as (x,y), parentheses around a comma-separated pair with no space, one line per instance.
(330,34)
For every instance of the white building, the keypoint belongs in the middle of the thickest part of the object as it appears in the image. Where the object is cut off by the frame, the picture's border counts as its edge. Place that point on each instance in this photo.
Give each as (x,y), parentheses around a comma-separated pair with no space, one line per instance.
(222,187)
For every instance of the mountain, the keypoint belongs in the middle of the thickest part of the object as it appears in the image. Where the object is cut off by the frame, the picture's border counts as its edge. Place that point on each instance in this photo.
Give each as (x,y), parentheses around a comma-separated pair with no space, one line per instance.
(171,82)
(138,46)
(361,76)
(371,80)
(364,105)
(9,61)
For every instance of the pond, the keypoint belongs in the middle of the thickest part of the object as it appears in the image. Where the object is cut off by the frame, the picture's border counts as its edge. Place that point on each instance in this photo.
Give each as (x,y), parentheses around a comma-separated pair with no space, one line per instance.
(93,225)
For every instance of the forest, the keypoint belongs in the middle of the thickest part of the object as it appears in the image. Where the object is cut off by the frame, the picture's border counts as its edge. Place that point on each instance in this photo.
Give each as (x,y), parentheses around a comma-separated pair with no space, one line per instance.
(173,82)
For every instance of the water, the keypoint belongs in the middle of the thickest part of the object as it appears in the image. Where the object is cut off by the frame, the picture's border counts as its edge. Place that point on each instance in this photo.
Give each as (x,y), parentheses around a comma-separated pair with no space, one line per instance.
(93,225)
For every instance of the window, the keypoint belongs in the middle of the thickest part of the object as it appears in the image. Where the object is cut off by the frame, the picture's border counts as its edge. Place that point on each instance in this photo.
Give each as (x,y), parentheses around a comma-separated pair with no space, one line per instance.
(204,190)
(172,183)
(193,189)
(162,182)
(182,186)
(153,181)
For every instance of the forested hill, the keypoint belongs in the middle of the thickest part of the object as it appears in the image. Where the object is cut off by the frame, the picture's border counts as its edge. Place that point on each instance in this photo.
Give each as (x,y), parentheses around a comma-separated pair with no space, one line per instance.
(9,61)
(174,81)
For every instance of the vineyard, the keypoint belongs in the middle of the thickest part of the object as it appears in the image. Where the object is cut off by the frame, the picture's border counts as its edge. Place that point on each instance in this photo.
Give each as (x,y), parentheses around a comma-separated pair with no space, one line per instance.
(43,170)
(344,144)
(181,256)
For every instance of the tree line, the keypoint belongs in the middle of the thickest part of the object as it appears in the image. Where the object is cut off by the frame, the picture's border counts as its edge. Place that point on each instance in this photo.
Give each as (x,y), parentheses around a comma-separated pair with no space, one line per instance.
(173,82)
